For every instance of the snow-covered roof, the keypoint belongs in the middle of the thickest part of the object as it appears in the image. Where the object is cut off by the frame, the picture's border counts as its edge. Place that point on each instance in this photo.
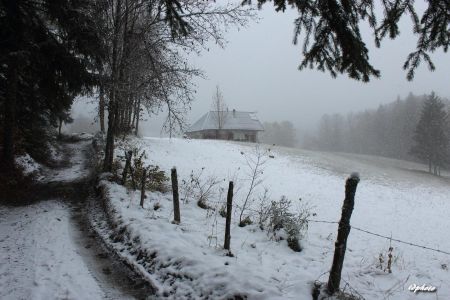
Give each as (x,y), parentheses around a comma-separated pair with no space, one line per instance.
(237,120)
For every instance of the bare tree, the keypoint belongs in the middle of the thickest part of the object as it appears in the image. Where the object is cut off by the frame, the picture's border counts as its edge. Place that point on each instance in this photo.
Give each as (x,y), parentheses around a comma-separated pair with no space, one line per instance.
(146,66)
(255,169)
(219,109)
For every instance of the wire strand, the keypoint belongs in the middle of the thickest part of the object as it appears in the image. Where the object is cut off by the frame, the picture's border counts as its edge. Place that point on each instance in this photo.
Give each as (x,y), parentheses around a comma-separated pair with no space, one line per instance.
(385,237)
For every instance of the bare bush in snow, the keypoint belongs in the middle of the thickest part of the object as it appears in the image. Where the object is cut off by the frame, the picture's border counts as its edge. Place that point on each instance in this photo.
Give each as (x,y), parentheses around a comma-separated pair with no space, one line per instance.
(200,188)
(254,170)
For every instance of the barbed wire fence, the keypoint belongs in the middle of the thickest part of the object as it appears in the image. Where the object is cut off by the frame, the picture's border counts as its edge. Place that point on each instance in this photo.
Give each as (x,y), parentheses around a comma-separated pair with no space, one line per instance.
(390,238)
(385,237)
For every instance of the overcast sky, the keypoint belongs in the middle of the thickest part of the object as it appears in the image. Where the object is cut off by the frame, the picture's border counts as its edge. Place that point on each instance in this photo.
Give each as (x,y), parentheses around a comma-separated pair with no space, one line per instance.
(257,71)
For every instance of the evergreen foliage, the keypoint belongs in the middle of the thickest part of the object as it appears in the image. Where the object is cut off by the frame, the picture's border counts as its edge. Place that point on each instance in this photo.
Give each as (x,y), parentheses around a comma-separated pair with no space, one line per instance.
(155,178)
(49,53)
(333,40)
(431,136)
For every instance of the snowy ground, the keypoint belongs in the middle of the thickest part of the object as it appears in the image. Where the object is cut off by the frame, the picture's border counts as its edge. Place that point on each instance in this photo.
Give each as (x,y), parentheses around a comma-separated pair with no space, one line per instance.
(391,200)
(38,257)
(73,156)
(46,249)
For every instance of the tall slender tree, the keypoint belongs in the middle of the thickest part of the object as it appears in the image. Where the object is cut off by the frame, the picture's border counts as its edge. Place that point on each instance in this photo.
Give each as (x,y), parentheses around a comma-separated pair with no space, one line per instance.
(431,137)
(219,108)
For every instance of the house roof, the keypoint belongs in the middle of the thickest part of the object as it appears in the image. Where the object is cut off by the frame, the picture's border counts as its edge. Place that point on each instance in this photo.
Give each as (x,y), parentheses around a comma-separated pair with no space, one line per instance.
(237,120)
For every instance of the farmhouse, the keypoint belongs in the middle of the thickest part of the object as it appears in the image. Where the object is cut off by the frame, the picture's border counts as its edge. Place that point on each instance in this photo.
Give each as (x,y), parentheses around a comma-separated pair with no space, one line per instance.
(226,125)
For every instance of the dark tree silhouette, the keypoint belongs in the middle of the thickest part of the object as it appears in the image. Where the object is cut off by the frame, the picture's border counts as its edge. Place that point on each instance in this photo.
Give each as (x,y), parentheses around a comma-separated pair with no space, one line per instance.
(431,137)
(333,40)
(49,53)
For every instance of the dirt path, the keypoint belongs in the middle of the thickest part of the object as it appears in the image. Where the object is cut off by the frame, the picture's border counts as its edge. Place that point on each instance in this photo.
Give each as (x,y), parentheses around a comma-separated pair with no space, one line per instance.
(48,250)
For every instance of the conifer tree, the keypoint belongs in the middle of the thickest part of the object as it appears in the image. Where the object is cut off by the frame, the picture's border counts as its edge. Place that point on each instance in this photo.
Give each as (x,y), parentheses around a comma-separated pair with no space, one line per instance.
(430,136)
(333,40)
(49,53)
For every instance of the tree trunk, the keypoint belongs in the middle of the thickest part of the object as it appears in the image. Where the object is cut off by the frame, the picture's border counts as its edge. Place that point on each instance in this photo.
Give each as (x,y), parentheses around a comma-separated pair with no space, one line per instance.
(113,107)
(133,120)
(109,148)
(101,109)
(119,120)
(10,114)
(138,115)
(11,11)
(59,128)
(130,113)
(128,156)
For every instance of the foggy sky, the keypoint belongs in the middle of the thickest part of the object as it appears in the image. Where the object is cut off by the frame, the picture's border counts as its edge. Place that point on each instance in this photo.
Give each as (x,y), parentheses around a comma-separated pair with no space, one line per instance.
(257,71)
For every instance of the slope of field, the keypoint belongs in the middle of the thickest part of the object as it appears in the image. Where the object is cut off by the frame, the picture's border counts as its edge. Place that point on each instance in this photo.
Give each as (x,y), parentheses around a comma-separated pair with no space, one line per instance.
(391,200)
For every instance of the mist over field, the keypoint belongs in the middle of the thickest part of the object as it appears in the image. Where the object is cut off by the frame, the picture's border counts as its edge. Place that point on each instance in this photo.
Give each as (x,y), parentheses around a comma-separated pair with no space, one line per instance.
(241,149)
(257,73)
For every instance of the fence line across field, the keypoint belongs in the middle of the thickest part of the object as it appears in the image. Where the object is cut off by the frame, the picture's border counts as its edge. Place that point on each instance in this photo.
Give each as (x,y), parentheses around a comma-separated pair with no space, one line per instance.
(361,230)
(383,236)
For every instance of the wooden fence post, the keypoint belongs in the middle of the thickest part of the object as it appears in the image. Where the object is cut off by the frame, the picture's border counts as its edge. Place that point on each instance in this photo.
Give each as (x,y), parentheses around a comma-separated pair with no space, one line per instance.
(127,166)
(144,175)
(343,232)
(228,219)
(176,199)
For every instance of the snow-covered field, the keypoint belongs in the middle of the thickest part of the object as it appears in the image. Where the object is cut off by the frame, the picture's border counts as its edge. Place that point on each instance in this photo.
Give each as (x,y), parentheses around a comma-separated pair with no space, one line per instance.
(390,200)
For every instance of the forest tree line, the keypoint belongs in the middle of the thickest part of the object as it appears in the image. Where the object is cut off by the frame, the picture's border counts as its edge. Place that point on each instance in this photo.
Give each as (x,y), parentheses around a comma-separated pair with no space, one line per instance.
(392,130)
(279,133)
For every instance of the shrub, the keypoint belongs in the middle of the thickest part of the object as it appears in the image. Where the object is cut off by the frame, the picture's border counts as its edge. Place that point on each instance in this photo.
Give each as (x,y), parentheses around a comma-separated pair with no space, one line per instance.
(246,221)
(223,211)
(196,187)
(156,179)
(282,223)
(116,167)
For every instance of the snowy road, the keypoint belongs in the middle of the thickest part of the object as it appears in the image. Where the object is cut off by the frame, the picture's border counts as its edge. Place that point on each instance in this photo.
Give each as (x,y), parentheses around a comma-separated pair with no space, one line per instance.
(47,250)
(39,259)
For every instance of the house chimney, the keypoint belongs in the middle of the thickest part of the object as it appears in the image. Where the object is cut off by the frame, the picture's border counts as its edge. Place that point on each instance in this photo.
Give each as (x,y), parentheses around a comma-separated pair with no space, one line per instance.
(234,113)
